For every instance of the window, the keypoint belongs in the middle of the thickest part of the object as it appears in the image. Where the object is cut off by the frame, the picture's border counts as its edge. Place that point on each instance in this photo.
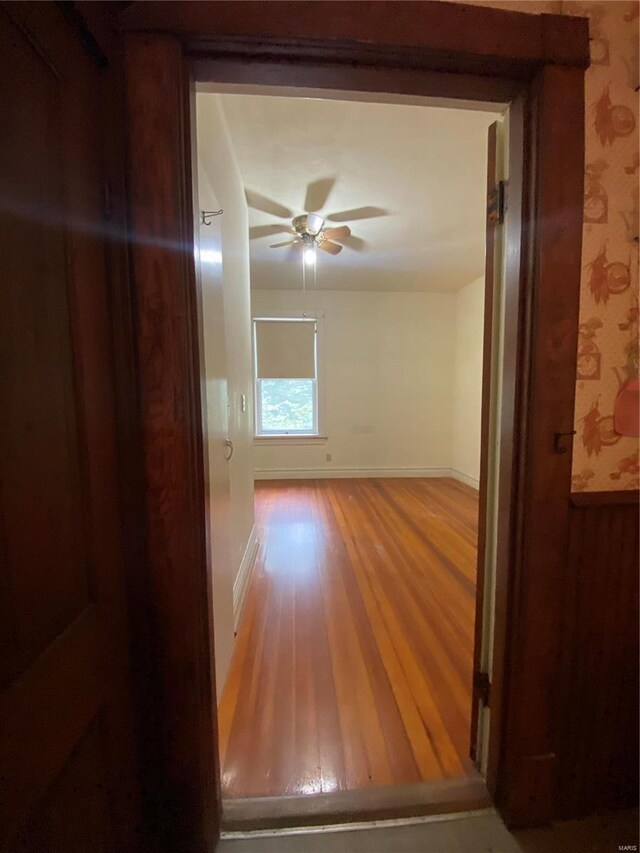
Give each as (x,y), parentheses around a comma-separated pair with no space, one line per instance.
(286,381)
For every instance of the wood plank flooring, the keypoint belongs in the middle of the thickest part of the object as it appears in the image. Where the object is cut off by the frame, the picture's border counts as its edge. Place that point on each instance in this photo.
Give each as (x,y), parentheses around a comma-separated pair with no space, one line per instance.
(353,659)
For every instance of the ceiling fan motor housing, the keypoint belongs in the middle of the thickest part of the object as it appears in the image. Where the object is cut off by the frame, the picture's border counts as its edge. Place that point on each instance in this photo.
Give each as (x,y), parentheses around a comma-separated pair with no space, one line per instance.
(309,224)
(308,229)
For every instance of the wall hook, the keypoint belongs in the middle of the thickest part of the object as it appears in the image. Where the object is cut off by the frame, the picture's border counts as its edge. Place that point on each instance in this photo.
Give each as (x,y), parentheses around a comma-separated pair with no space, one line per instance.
(206,216)
(557,438)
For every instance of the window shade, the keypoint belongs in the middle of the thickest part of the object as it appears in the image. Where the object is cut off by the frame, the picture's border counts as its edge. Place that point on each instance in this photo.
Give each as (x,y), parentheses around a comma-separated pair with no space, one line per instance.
(285,349)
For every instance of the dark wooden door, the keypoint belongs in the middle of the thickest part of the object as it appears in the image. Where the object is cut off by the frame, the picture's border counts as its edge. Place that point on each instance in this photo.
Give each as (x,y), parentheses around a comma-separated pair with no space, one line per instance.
(481,652)
(67,768)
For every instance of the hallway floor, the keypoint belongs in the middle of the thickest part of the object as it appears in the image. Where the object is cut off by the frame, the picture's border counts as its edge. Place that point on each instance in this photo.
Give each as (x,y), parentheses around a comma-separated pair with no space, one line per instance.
(353,659)
(482,832)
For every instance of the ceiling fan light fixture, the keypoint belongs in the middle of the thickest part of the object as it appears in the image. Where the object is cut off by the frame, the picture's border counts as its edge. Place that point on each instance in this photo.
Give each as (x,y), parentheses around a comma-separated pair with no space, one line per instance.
(312,230)
(314,224)
(309,224)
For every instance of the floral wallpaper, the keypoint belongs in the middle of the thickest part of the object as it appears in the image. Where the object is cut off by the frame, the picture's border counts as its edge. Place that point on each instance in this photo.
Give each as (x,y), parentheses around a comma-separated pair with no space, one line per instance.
(605,449)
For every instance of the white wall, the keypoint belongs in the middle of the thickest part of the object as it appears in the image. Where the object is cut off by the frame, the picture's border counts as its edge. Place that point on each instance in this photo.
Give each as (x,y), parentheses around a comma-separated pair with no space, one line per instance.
(467,381)
(218,160)
(388,364)
(219,181)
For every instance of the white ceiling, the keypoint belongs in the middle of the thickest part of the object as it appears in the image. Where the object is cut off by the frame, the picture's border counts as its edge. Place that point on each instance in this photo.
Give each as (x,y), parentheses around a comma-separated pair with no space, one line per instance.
(425,167)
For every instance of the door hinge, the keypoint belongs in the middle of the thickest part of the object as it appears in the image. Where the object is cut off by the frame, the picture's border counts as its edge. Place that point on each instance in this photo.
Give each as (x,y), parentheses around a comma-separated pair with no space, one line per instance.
(482,687)
(497,204)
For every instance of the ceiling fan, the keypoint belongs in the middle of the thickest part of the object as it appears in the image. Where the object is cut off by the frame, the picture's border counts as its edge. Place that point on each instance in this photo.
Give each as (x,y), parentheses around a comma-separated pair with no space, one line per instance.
(310,230)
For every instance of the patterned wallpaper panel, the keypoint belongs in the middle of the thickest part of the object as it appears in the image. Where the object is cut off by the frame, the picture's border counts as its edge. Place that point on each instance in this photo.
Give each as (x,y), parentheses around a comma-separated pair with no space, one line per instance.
(605,450)
(605,455)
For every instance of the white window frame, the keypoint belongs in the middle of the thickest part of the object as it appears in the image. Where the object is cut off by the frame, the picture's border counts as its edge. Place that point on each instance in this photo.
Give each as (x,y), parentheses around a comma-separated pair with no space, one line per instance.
(293,436)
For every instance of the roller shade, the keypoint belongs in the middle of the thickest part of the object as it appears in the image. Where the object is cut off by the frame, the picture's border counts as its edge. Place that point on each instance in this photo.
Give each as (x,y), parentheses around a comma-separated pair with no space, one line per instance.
(285,349)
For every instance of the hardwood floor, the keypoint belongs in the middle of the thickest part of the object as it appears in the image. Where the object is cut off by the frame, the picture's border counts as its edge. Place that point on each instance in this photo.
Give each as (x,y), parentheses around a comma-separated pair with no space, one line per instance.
(353,658)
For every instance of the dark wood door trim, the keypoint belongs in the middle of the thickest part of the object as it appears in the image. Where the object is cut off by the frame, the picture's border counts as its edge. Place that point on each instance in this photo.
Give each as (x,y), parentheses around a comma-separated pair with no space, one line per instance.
(515,361)
(545,388)
(619,498)
(227,67)
(446,36)
(485,426)
(543,271)
(179,584)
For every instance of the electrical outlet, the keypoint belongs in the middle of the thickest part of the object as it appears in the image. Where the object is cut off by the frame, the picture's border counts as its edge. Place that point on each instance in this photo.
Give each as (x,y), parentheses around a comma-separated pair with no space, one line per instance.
(328,457)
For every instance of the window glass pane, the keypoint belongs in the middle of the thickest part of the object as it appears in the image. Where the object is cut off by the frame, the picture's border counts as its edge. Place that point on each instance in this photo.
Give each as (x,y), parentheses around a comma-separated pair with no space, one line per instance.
(287,405)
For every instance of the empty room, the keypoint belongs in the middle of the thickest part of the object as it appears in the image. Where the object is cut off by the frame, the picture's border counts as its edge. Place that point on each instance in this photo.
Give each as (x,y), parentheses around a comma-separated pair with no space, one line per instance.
(344,241)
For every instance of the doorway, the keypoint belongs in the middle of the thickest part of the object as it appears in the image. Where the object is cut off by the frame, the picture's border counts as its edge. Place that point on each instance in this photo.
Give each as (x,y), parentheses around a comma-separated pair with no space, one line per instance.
(354,367)
(541,289)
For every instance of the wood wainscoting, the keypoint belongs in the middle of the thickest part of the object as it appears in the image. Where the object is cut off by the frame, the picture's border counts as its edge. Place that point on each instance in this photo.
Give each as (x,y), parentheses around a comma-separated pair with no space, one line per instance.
(598,699)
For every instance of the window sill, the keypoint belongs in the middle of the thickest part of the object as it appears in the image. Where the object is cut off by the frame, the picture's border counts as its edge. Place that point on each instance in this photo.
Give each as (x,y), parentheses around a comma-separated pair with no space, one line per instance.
(289,439)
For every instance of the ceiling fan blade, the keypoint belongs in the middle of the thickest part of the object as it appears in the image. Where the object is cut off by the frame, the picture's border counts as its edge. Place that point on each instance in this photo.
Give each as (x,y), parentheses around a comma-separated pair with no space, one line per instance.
(341,233)
(328,246)
(317,194)
(355,243)
(267,231)
(357,213)
(267,205)
(286,243)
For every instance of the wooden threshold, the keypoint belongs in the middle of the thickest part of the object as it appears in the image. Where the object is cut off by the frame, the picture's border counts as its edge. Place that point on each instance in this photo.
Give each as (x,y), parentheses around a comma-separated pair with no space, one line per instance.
(386,802)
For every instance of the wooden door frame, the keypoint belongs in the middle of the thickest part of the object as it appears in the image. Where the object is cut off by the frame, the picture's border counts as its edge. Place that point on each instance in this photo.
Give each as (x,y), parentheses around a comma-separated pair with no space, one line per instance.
(435,49)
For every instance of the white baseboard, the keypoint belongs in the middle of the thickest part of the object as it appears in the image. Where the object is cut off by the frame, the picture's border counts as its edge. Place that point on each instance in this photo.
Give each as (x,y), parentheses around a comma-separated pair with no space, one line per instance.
(344,473)
(355,473)
(241,583)
(465,478)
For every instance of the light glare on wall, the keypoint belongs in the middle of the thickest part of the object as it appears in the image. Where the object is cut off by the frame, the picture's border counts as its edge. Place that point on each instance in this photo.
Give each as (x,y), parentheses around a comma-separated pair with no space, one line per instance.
(211,256)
